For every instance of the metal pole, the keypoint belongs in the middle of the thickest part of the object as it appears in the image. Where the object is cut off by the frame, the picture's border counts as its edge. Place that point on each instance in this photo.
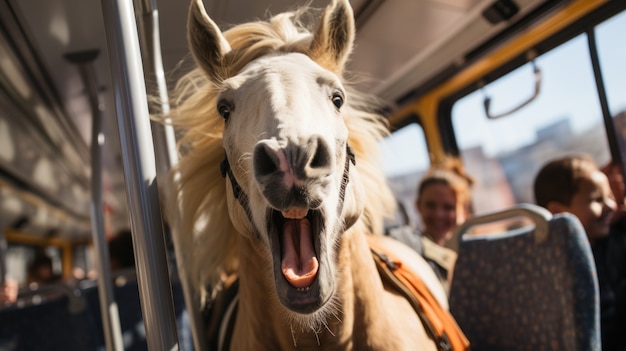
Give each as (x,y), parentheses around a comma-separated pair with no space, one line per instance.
(140,175)
(150,44)
(3,245)
(108,306)
(165,145)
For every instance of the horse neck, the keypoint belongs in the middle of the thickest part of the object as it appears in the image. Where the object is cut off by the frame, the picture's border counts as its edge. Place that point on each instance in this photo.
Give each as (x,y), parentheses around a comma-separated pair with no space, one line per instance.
(358,306)
(364,298)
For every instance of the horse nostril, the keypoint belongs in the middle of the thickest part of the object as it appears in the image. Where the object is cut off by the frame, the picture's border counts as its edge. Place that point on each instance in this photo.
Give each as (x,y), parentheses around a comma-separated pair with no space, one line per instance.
(321,159)
(265,161)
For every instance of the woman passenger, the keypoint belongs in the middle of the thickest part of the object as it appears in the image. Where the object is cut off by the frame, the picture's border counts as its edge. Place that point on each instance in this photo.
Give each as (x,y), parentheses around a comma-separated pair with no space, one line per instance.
(443,200)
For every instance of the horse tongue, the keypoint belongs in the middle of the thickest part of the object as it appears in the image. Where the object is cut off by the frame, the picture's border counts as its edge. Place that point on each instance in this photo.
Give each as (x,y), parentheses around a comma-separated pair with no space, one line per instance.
(299,264)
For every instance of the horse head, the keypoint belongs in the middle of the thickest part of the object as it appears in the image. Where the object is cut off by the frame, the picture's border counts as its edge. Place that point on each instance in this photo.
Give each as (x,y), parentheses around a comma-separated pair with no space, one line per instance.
(292,186)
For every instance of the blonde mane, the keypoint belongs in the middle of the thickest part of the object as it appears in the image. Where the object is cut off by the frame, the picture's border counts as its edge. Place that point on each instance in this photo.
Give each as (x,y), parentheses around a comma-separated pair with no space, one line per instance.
(201,214)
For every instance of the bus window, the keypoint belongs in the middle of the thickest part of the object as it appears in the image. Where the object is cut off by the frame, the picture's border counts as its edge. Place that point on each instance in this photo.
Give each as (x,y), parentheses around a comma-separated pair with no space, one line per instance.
(612,58)
(612,55)
(404,159)
(505,154)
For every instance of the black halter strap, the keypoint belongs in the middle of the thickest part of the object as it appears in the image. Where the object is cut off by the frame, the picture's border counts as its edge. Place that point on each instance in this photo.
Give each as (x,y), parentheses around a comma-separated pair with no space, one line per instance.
(238,193)
(242,197)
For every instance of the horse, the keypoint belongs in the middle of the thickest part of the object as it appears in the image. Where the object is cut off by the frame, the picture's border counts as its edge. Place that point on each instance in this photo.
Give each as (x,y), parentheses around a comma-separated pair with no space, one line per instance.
(279,182)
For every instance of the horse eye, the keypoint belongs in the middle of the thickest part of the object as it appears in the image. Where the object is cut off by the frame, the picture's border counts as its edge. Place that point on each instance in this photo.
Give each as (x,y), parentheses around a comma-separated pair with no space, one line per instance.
(337,100)
(224,108)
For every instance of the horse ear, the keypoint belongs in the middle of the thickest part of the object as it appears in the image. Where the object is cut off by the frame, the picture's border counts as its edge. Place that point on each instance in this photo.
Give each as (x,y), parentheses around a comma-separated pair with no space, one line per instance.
(333,40)
(206,41)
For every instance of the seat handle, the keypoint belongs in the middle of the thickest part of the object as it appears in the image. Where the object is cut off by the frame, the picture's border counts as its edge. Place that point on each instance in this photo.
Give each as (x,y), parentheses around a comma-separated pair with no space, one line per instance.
(539,215)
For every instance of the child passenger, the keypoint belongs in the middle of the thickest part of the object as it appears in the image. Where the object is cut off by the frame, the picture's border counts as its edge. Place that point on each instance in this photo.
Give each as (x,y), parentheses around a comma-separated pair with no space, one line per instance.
(575,184)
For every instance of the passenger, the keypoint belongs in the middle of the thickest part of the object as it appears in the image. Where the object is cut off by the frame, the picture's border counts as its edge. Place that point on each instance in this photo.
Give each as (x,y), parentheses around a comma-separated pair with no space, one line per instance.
(610,256)
(616,182)
(443,202)
(121,251)
(8,292)
(575,184)
(41,271)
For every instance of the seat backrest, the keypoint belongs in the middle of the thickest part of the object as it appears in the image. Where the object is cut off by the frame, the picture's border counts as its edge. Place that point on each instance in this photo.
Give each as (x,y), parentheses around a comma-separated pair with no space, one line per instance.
(47,319)
(525,290)
(126,293)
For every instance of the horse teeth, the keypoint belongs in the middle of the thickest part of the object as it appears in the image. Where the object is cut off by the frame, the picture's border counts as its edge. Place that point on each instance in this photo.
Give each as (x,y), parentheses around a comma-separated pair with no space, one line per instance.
(302,289)
(295,213)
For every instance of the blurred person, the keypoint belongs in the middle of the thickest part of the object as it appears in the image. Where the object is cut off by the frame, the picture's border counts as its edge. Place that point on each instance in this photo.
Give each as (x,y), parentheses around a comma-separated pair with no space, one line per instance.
(121,254)
(8,291)
(443,202)
(610,254)
(613,172)
(576,185)
(41,271)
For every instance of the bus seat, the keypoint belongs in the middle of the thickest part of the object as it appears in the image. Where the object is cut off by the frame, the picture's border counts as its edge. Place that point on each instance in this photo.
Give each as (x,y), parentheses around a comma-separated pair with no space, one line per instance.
(532,288)
(52,317)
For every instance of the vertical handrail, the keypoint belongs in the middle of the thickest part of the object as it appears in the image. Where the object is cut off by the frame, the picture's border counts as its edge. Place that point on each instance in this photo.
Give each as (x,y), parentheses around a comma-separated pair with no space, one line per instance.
(165,144)
(140,175)
(3,247)
(150,45)
(108,306)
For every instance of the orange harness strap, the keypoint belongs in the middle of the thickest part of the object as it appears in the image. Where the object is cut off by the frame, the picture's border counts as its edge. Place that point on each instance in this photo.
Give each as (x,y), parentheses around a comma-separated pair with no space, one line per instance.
(438,322)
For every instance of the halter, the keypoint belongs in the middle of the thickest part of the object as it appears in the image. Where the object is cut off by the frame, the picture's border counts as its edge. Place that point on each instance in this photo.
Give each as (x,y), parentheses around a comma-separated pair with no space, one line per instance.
(242,197)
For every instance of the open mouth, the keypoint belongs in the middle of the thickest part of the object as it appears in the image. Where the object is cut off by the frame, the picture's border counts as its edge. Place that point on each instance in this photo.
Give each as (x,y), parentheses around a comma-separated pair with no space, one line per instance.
(299,262)
(295,242)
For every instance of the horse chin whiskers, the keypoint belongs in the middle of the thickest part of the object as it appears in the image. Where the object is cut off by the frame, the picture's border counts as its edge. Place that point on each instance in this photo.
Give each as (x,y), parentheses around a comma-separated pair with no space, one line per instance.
(314,323)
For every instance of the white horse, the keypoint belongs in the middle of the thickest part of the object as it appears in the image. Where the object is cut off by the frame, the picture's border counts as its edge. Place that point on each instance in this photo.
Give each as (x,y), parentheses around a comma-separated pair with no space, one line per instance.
(279,184)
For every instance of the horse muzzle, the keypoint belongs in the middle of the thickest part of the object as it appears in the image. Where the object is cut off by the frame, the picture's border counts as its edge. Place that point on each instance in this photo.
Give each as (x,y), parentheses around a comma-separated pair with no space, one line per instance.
(297,175)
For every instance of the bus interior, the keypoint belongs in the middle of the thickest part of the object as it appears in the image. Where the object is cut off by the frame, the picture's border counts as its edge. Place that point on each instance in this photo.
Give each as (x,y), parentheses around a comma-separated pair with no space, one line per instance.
(501,85)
